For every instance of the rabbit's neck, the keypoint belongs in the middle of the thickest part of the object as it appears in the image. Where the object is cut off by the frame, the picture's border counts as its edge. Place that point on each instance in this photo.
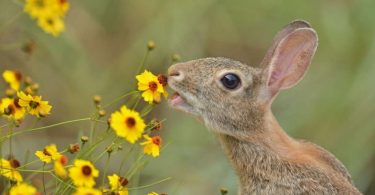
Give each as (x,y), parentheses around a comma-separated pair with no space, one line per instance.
(257,155)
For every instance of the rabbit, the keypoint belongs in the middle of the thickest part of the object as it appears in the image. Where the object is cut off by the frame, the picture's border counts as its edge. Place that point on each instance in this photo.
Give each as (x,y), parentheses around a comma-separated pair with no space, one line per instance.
(234,101)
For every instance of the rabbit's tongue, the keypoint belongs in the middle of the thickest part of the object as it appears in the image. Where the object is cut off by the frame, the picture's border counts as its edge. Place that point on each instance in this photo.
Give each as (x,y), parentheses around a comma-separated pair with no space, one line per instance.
(176,99)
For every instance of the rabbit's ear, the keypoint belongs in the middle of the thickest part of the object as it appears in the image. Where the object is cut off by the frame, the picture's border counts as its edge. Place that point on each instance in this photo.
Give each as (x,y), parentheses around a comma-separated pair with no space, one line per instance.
(289,61)
(280,35)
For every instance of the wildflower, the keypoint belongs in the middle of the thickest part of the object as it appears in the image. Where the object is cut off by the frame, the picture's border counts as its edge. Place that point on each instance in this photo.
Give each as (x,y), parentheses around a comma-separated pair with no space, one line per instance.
(87,191)
(8,170)
(127,124)
(83,173)
(10,108)
(151,87)
(52,24)
(34,104)
(23,189)
(48,154)
(152,145)
(117,182)
(13,78)
(59,166)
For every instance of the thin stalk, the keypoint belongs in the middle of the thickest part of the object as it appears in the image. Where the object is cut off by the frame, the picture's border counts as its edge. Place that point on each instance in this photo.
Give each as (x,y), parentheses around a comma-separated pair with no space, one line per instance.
(120,98)
(41,128)
(143,62)
(150,185)
(106,168)
(126,157)
(44,179)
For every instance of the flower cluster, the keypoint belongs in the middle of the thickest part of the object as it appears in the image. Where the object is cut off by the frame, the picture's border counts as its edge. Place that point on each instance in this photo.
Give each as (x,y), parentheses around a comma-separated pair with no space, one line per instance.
(129,127)
(18,103)
(49,14)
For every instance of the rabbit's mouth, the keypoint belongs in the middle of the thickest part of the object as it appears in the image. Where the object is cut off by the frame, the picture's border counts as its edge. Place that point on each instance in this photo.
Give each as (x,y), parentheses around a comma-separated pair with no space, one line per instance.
(179,102)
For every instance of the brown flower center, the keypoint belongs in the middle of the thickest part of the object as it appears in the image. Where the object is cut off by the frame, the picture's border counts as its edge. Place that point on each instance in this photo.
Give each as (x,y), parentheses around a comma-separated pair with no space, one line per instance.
(163,80)
(18,75)
(156,140)
(130,122)
(153,86)
(16,102)
(86,170)
(15,163)
(33,104)
(123,181)
(45,152)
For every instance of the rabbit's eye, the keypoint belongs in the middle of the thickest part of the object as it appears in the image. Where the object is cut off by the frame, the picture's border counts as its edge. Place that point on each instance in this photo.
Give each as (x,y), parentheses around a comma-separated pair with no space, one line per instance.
(230,81)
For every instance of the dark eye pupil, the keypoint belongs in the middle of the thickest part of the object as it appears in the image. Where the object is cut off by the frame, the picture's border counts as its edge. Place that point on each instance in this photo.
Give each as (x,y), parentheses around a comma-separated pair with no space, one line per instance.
(230,81)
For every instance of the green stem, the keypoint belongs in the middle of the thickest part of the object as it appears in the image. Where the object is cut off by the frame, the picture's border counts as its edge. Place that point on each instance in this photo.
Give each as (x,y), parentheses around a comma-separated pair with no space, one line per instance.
(143,62)
(120,98)
(44,179)
(44,127)
(126,157)
(151,184)
(106,168)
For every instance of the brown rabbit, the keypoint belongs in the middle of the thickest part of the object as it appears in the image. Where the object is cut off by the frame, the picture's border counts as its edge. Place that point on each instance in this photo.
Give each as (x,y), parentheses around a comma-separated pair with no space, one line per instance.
(234,101)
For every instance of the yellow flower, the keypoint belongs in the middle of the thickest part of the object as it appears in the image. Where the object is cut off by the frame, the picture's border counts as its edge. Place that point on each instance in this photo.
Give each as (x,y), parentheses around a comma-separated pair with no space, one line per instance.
(10,108)
(127,124)
(83,173)
(87,191)
(152,193)
(48,154)
(59,166)
(51,24)
(151,86)
(34,104)
(118,184)
(39,8)
(8,170)
(13,78)
(152,145)
(23,189)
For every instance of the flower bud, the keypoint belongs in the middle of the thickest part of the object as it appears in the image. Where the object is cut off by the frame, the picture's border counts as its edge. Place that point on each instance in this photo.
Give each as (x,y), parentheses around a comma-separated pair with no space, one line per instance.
(151,45)
(84,139)
(176,58)
(97,99)
(101,113)
(73,148)
(223,191)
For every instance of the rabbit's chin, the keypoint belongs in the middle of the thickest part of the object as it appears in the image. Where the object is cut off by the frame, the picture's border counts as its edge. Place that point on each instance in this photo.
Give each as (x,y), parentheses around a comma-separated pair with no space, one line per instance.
(178,102)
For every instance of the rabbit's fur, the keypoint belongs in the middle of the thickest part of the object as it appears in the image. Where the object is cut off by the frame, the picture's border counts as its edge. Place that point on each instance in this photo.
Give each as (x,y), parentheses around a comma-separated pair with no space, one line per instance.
(266,159)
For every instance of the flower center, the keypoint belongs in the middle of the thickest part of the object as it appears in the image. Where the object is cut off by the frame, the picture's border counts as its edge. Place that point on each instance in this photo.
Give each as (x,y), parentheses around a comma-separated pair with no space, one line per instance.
(45,152)
(156,140)
(86,170)
(64,160)
(14,163)
(123,181)
(16,102)
(153,86)
(18,75)
(33,104)
(130,122)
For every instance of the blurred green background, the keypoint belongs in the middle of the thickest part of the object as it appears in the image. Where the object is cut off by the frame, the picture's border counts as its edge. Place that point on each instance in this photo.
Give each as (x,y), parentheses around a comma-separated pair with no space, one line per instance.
(334,106)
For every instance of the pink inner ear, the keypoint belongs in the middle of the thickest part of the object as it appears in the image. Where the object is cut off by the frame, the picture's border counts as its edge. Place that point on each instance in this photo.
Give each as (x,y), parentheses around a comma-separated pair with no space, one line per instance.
(290,62)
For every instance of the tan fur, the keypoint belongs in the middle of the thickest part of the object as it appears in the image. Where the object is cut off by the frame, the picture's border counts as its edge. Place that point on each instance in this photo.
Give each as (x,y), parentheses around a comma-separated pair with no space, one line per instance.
(265,158)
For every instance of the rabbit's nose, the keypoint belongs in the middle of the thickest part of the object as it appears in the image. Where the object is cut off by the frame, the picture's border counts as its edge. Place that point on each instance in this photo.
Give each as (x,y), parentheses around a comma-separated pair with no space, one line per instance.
(176,74)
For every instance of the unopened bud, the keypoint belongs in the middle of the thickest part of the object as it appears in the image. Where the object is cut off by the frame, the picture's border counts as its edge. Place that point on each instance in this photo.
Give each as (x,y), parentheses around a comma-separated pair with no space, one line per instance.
(73,148)
(97,99)
(151,45)
(84,139)
(223,191)
(176,58)
(28,80)
(163,80)
(109,149)
(101,113)
(155,125)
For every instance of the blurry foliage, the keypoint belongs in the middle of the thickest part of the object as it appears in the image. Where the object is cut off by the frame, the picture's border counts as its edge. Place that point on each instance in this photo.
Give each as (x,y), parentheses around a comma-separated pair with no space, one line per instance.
(104,40)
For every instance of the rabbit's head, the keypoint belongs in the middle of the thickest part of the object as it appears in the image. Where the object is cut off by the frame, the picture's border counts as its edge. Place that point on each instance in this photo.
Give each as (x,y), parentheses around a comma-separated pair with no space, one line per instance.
(232,97)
